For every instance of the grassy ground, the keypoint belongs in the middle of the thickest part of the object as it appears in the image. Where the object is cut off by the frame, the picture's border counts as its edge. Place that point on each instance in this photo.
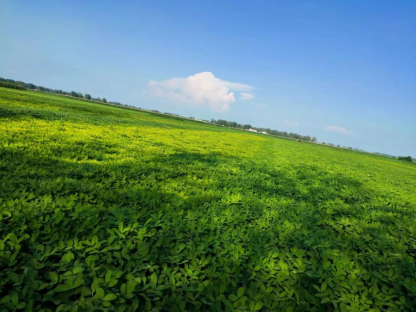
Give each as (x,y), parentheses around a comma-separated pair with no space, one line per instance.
(109,208)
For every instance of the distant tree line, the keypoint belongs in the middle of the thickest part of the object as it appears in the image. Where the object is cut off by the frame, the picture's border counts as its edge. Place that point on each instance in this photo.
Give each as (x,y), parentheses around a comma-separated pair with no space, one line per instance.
(171,114)
(11,85)
(285,134)
(405,158)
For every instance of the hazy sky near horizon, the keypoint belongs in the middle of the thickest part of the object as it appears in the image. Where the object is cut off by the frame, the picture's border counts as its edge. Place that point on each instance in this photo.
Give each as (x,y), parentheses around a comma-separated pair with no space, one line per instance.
(343,71)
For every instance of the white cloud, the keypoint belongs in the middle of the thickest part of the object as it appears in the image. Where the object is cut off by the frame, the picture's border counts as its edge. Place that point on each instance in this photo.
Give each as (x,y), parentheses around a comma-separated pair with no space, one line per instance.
(337,129)
(246,96)
(233,85)
(199,90)
(291,123)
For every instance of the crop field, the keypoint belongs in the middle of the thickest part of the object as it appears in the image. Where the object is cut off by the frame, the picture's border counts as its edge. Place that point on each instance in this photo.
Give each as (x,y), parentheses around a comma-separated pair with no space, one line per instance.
(109,209)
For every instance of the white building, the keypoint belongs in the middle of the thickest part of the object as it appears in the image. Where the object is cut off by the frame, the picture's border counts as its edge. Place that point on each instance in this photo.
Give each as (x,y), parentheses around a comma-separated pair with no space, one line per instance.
(252,130)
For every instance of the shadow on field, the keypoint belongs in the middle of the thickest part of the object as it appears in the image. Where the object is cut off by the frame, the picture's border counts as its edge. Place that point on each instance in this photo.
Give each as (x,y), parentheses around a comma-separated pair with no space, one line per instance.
(204,232)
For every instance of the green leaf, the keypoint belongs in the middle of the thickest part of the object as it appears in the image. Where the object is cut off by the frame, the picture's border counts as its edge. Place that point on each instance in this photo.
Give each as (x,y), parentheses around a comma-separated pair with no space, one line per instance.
(62,288)
(283,266)
(95,284)
(15,299)
(232,297)
(108,276)
(130,286)
(153,277)
(241,291)
(85,291)
(94,240)
(258,306)
(53,277)
(125,253)
(110,297)
(324,286)
(13,277)
(5,299)
(68,257)
(77,283)
(223,287)
(112,282)
(135,305)
(99,293)
(21,305)
(40,247)
(148,305)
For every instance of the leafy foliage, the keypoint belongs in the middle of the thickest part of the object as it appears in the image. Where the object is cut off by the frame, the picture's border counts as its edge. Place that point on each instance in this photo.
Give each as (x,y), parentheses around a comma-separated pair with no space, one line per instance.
(109,209)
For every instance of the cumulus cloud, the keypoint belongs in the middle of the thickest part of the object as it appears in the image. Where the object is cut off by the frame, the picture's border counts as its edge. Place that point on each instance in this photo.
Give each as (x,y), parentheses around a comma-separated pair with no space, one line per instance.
(246,96)
(291,123)
(200,90)
(337,129)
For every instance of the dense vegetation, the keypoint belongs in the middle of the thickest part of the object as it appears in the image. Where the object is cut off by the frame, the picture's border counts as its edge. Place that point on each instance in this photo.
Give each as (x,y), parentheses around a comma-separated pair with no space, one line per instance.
(285,134)
(406,158)
(11,85)
(104,208)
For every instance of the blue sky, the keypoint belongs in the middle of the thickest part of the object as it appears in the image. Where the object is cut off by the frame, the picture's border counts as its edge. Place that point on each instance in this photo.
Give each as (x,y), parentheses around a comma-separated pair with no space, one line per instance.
(343,71)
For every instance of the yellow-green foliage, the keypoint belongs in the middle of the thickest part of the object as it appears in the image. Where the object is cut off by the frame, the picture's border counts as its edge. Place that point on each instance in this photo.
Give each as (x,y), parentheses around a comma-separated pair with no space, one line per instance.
(108,208)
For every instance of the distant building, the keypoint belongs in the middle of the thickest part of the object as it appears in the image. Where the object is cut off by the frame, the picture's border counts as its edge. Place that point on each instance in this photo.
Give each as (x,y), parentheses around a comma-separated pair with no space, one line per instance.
(264,132)
(252,130)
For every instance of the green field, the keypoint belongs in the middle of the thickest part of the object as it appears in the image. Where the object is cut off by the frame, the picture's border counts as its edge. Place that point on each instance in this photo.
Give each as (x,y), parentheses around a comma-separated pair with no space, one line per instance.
(105,208)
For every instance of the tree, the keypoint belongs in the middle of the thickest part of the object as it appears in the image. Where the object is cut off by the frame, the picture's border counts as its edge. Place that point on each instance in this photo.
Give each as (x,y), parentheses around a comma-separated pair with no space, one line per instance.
(11,85)
(104,100)
(87,96)
(406,158)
